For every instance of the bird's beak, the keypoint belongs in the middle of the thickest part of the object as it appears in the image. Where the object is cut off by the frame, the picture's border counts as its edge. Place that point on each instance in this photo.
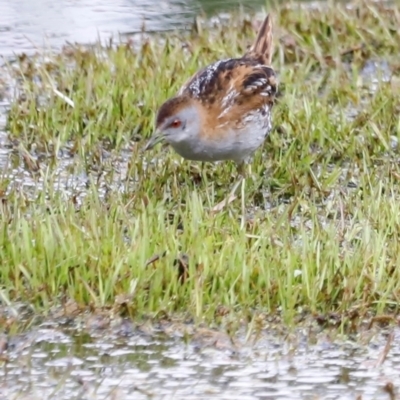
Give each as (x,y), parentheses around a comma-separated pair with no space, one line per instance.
(156,138)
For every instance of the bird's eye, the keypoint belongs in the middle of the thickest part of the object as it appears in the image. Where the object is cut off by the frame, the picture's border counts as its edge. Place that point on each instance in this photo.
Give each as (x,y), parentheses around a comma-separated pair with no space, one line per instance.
(176,123)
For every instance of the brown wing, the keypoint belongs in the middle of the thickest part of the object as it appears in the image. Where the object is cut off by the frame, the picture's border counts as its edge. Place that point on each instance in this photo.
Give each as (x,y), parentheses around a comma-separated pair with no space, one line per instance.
(231,89)
(244,76)
(252,90)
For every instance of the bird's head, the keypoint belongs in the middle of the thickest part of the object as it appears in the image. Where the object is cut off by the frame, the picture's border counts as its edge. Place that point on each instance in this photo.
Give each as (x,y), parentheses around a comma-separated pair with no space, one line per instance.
(178,120)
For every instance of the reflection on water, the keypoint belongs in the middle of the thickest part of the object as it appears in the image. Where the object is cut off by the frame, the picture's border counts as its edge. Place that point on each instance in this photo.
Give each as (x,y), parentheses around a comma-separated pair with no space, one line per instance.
(26,24)
(130,363)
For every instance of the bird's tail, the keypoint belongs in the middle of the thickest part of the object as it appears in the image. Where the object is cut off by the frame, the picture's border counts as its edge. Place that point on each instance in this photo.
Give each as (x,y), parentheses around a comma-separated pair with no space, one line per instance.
(262,46)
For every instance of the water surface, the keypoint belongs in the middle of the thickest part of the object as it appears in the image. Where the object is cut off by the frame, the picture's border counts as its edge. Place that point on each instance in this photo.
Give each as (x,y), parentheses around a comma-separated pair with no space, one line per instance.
(128,362)
(29,24)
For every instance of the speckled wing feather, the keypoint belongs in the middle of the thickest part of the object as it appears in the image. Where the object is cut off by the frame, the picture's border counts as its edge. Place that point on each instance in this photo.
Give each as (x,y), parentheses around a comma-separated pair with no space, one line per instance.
(232,88)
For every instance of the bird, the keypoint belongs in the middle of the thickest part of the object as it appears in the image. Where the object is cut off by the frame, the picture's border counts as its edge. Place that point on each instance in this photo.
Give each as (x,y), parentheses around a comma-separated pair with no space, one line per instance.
(224,111)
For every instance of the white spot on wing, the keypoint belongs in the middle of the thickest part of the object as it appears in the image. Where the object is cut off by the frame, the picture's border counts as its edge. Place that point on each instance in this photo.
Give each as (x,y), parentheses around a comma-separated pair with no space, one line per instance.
(230,96)
(203,79)
(258,84)
(227,100)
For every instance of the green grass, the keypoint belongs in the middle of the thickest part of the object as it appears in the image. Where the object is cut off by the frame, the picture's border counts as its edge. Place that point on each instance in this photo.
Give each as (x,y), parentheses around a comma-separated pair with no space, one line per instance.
(324,231)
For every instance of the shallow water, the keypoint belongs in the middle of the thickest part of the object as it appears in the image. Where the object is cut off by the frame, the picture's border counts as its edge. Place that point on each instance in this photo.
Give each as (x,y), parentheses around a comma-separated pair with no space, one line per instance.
(129,363)
(27,24)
